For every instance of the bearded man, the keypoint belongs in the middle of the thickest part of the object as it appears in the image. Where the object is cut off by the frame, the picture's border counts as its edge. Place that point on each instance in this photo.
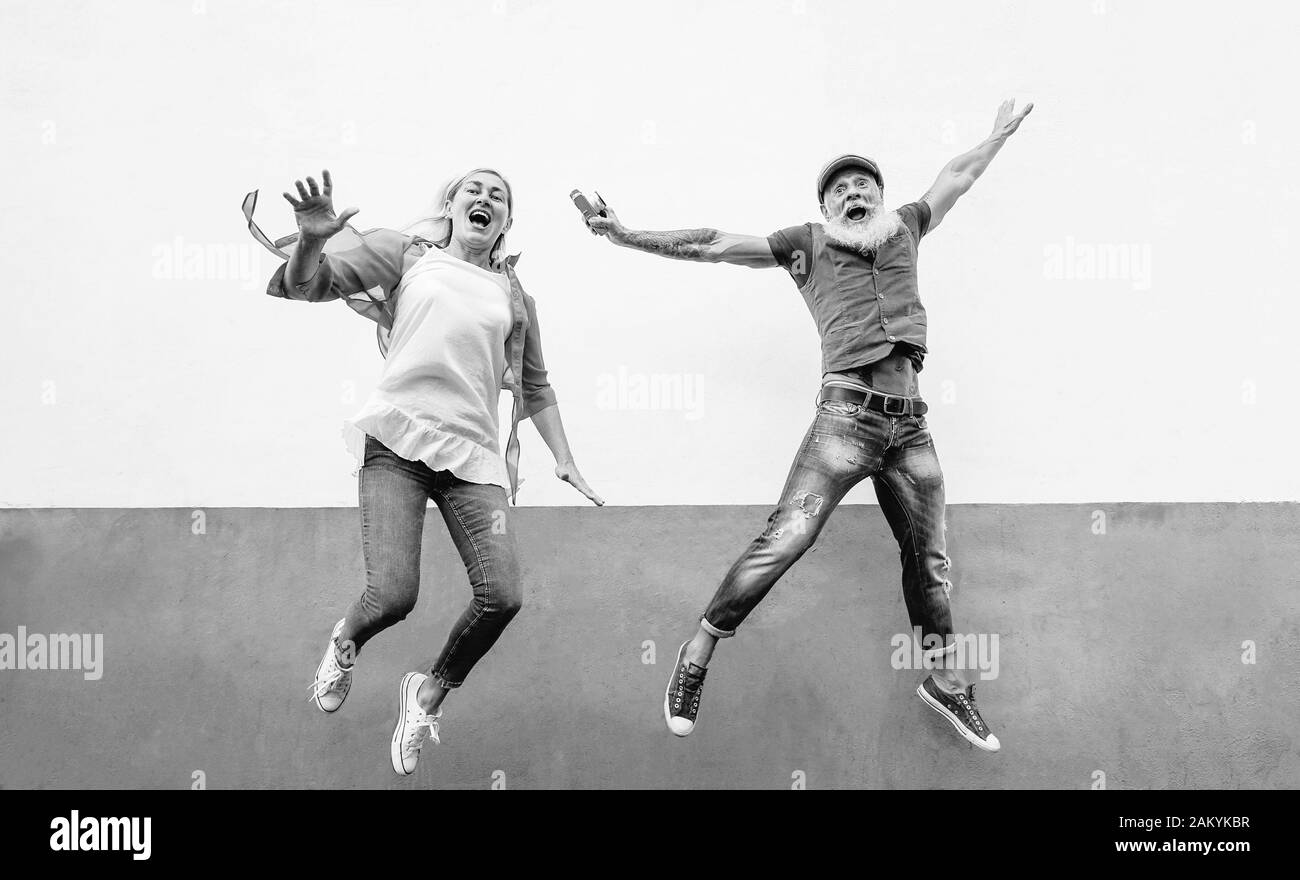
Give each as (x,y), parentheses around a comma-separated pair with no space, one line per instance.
(857,275)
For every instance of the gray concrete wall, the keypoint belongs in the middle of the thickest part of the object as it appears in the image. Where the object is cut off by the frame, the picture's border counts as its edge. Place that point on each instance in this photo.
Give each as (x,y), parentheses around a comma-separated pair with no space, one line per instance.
(1119,652)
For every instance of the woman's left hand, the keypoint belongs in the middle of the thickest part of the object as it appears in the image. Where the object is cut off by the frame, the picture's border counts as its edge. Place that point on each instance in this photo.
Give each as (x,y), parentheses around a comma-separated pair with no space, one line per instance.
(568,471)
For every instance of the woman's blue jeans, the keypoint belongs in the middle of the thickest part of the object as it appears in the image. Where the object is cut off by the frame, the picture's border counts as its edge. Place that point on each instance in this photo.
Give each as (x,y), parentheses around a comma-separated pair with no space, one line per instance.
(394,494)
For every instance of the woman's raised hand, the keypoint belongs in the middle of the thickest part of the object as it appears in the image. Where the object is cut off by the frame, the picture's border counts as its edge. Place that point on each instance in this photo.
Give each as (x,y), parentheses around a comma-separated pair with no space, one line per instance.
(314,209)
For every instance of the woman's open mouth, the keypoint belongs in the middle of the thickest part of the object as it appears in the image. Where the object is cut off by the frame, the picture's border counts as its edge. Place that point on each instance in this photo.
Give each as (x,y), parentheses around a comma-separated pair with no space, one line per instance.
(479,218)
(856,213)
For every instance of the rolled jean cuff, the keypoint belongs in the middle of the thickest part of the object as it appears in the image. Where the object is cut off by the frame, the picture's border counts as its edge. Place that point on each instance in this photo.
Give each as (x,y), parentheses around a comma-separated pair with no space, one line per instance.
(714,631)
(933,655)
(442,682)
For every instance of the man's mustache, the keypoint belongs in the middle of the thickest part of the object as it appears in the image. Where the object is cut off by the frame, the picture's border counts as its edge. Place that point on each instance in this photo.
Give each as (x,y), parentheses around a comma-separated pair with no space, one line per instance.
(866,234)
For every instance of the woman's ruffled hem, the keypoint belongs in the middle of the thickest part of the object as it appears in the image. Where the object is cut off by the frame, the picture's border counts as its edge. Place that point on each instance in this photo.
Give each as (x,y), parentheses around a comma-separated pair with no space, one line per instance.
(419,441)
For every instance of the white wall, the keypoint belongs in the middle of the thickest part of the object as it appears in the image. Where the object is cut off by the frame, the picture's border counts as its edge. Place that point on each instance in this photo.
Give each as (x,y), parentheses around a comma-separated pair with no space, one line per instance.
(131,131)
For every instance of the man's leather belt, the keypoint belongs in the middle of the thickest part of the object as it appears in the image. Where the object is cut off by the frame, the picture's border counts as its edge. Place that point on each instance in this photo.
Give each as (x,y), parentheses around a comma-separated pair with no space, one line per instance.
(887,404)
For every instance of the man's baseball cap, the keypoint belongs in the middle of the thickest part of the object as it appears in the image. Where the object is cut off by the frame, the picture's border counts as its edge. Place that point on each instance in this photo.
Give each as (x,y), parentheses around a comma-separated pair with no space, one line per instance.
(848,160)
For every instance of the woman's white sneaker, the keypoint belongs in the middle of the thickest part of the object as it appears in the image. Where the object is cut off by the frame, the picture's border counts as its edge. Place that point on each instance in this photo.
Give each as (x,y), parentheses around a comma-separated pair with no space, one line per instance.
(414,726)
(333,680)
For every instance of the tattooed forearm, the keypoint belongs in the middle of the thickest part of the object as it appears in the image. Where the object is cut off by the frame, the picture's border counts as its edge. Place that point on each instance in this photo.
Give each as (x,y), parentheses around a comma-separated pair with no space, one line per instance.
(682,244)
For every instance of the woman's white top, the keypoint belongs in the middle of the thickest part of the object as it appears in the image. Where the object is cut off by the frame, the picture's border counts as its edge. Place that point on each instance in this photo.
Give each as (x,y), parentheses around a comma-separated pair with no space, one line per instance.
(436,400)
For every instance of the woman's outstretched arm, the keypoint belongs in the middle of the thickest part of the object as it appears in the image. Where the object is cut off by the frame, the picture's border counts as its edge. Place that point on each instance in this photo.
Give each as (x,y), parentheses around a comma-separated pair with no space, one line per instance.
(540,406)
(551,427)
(315,276)
(314,212)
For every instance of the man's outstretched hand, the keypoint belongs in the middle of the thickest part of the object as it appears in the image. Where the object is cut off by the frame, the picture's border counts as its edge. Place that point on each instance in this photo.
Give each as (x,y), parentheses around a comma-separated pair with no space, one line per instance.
(1008,119)
(314,209)
(608,225)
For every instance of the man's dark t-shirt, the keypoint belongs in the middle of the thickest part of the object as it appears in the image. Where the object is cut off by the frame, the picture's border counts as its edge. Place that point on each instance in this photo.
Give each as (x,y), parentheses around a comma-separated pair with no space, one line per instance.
(864,292)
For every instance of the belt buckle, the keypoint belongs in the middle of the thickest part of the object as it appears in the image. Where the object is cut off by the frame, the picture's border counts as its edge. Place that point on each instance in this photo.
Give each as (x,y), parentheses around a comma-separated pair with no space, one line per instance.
(906,405)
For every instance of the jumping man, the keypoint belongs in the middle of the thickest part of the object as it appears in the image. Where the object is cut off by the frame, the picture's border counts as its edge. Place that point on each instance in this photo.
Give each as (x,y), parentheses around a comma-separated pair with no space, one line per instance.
(857,275)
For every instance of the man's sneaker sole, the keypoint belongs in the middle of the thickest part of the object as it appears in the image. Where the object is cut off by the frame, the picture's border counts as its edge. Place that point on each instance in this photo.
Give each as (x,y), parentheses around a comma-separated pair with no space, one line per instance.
(395,748)
(668,694)
(954,721)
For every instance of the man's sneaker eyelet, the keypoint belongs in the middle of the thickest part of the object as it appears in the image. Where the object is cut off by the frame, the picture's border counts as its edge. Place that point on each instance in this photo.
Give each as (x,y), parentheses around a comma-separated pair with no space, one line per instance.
(682,696)
(961,712)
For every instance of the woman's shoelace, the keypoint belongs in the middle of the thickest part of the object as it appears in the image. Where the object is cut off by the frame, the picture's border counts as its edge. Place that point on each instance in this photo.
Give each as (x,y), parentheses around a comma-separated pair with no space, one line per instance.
(423,726)
(326,683)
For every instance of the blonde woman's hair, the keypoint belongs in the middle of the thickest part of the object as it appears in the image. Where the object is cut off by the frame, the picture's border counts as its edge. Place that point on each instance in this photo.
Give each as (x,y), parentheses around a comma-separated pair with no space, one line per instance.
(435,225)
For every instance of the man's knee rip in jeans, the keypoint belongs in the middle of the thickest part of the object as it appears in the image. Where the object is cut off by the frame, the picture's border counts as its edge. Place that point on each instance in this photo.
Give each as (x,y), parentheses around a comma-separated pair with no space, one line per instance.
(805,506)
(810,503)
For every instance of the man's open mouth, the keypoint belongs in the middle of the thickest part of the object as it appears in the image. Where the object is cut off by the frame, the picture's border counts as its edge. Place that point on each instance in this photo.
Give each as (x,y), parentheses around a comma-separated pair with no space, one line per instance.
(479,218)
(856,212)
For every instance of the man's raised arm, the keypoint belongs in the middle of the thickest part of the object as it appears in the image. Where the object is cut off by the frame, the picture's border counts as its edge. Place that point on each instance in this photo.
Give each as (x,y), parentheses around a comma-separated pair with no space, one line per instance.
(960,174)
(698,245)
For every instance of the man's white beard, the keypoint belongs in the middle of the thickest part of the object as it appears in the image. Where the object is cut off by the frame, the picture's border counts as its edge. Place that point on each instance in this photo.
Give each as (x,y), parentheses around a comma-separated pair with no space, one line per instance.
(866,235)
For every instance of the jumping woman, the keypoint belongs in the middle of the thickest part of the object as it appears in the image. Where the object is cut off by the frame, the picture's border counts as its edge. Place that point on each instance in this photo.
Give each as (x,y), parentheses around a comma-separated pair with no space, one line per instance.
(455,326)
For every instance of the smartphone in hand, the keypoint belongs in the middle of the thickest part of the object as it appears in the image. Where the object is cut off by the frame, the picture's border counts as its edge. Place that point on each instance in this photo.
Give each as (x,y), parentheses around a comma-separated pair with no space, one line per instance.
(588,210)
